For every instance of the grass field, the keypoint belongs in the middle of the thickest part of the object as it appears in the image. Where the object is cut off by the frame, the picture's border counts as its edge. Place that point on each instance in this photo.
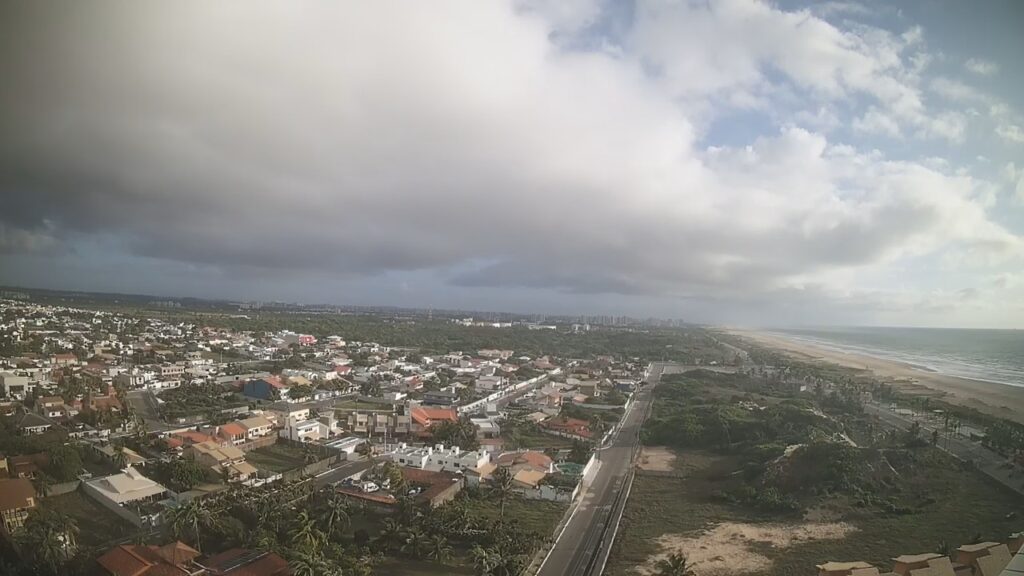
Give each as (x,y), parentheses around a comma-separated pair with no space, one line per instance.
(537,516)
(96,524)
(278,457)
(409,567)
(532,439)
(966,506)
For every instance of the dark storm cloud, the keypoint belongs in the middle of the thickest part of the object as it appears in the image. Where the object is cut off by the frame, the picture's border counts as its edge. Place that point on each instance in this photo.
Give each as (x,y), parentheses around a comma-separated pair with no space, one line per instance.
(363,139)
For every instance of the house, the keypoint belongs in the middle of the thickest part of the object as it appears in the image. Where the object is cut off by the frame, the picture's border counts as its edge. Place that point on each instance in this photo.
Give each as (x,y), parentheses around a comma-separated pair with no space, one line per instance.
(234,432)
(15,385)
(440,398)
(174,559)
(438,487)
(266,388)
(423,417)
(527,478)
(986,558)
(490,383)
(304,431)
(17,497)
(567,427)
(847,569)
(51,406)
(257,427)
(222,459)
(242,562)
(29,423)
(283,412)
(438,458)
(904,564)
(526,460)
(28,465)
(128,494)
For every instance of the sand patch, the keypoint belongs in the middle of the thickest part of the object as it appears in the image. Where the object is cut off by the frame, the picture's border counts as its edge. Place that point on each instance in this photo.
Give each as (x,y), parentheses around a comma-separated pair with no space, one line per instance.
(731,548)
(656,459)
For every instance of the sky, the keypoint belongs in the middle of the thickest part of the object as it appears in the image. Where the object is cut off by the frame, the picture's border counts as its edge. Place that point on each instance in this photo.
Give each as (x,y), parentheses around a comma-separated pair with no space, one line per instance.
(720,161)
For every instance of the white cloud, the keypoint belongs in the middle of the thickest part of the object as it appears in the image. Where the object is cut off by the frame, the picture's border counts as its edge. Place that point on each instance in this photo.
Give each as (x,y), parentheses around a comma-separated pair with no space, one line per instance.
(479,148)
(1011,133)
(981,67)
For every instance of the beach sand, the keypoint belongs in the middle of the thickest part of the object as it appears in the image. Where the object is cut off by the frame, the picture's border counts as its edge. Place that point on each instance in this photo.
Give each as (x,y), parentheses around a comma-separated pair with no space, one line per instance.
(1000,400)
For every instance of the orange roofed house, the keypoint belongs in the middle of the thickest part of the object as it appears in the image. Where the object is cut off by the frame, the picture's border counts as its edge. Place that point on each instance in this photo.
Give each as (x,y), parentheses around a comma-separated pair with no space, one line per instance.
(178,559)
(568,427)
(423,417)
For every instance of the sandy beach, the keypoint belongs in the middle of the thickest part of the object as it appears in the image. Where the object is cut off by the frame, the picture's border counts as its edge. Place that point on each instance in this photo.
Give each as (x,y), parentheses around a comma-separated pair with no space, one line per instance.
(998,399)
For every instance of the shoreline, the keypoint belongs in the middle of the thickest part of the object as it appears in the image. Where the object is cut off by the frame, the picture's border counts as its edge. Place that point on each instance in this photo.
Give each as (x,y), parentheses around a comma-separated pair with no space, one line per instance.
(994,398)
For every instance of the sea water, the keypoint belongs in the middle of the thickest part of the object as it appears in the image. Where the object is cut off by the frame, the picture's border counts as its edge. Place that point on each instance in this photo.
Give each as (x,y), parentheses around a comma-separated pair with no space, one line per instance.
(989,355)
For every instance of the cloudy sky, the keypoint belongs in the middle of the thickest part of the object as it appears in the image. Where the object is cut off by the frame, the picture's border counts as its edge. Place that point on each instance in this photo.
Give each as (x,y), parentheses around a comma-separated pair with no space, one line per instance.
(722,161)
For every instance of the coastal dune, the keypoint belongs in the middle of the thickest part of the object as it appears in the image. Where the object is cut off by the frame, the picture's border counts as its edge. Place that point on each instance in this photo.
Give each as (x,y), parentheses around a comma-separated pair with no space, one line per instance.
(1000,400)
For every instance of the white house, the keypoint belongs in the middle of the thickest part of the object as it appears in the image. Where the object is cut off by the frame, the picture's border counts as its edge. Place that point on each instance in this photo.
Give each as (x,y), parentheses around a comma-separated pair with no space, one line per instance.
(438,458)
(257,427)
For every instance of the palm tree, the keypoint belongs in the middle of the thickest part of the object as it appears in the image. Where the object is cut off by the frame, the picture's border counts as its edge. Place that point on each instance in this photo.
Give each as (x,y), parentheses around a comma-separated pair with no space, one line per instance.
(334,514)
(483,560)
(192,518)
(120,458)
(391,533)
(42,483)
(415,543)
(675,565)
(308,565)
(439,549)
(501,486)
(305,535)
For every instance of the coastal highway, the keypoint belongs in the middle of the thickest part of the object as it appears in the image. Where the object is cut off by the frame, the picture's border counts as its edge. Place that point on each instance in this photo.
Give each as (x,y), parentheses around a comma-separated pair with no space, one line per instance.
(583,545)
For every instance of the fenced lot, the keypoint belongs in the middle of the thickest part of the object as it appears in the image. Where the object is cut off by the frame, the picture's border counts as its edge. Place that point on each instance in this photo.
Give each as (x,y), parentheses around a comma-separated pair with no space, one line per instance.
(96,524)
(279,457)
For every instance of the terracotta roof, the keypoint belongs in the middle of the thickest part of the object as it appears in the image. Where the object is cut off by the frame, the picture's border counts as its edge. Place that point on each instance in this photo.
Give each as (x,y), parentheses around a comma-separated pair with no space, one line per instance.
(16,494)
(176,553)
(123,561)
(425,416)
(241,562)
(529,477)
(233,429)
(536,459)
(174,559)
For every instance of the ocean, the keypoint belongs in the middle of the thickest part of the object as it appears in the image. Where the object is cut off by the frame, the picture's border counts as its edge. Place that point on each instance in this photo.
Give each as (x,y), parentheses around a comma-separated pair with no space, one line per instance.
(989,355)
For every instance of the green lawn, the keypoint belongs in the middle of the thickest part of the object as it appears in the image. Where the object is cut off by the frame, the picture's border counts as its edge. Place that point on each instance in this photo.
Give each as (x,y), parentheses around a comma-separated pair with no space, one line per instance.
(96,524)
(279,457)
(538,516)
(537,440)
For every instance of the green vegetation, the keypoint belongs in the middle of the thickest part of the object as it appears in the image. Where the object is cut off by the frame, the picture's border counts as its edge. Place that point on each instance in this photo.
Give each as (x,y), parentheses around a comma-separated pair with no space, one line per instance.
(97,526)
(180,475)
(280,457)
(197,399)
(754,454)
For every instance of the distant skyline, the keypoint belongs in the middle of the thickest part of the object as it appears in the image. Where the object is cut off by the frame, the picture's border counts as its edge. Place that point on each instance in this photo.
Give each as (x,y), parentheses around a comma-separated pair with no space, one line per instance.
(722,161)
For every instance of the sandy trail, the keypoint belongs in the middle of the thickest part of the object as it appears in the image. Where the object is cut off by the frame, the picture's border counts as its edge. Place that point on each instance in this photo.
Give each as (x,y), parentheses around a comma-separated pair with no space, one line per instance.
(730,548)
(656,459)
(1000,400)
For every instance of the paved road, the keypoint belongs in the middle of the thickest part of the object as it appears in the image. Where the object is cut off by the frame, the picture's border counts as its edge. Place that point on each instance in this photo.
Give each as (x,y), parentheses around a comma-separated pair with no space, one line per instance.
(575,550)
(986,460)
(144,404)
(341,472)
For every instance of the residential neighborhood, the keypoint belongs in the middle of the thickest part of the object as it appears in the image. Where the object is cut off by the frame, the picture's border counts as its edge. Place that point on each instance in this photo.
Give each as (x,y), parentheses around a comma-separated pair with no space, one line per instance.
(133,418)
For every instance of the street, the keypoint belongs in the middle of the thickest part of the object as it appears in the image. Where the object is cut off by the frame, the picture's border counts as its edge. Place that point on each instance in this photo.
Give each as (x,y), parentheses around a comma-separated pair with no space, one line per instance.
(583,544)
(986,460)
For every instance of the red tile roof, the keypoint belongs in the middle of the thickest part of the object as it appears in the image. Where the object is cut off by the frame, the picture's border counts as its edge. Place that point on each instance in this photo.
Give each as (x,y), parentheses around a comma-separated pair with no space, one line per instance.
(535,459)
(233,429)
(568,425)
(426,416)
(16,494)
(241,562)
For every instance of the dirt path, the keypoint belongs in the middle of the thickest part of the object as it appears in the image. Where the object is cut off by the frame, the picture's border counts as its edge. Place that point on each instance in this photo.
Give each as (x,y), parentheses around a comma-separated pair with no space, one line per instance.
(730,548)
